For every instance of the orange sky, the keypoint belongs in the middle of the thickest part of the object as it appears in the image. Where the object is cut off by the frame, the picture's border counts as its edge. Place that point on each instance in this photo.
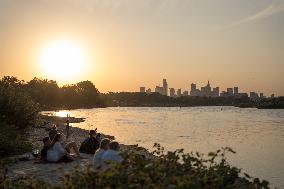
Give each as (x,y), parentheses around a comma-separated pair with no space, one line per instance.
(130,44)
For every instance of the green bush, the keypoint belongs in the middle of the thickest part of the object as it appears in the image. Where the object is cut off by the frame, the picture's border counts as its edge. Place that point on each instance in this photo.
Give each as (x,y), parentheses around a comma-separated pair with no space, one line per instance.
(165,170)
(171,170)
(11,141)
(17,107)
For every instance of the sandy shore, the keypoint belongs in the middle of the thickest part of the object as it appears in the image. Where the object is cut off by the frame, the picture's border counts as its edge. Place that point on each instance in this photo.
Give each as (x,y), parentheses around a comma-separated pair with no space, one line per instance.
(53,172)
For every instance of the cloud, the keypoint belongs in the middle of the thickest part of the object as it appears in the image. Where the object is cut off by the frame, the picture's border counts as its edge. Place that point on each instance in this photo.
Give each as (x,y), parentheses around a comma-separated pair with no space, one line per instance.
(268,11)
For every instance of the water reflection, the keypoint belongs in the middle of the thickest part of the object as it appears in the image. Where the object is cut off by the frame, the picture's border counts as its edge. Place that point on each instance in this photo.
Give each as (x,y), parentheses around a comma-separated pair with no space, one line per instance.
(62,113)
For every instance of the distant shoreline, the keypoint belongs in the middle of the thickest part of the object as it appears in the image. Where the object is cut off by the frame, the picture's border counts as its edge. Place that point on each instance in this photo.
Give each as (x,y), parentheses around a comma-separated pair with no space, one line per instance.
(244,107)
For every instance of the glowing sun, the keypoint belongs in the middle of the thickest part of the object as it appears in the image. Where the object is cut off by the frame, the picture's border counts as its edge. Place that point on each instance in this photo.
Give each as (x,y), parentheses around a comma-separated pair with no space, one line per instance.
(62,60)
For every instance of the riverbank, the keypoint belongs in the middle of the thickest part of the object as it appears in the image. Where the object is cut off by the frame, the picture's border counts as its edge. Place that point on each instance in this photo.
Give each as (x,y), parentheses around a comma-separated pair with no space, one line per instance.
(25,166)
(176,169)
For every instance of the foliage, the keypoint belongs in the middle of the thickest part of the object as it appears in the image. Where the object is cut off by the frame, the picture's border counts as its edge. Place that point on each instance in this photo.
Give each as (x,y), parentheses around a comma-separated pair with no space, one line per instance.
(136,99)
(168,170)
(83,94)
(156,99)
(43,91)
(17,107)
(164,170)
(50,96)
(17,112)
(11,141)
(46,94)
(20,103)
(271,103)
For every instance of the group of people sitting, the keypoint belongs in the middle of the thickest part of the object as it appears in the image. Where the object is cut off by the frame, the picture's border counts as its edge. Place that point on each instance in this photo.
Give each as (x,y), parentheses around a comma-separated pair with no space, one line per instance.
(104,150)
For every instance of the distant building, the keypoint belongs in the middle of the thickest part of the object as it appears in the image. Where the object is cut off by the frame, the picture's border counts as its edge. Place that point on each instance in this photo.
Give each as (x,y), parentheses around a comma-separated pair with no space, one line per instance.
(193,86)
(241,95)
(148,91)
(206,91)
(142,90)
(172,92)
(185,93)
(194,91)
(230,91)
(224,94)
(253,95)
(159,89)
(165,87)
(179,92)
(203,91)
(215,92)
(236,90)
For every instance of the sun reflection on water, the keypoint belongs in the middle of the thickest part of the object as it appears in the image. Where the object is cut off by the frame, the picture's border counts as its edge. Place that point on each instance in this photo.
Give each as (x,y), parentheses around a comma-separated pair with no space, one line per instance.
(62,113)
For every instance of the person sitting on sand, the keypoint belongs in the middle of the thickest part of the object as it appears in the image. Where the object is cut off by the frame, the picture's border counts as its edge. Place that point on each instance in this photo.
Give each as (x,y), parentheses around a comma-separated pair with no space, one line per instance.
(67,128)
(99,137)
(112,154)
(100,152)
(57,151)
(53,131)
(46,146)
(90,144)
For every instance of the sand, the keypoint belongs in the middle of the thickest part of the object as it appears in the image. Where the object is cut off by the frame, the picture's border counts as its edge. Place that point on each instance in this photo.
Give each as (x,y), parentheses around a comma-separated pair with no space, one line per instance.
(53,172)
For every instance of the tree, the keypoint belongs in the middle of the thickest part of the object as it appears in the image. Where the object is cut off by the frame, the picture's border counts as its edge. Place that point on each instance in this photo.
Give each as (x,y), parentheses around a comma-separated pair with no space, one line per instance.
(17,106)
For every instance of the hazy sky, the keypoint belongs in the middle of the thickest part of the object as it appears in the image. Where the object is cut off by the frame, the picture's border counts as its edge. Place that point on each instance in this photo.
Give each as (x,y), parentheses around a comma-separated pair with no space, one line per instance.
(133,43)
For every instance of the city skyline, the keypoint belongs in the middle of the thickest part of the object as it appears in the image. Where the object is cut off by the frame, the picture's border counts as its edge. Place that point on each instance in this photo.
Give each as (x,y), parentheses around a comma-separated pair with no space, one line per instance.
(142,94)
(118,44)
(206,90)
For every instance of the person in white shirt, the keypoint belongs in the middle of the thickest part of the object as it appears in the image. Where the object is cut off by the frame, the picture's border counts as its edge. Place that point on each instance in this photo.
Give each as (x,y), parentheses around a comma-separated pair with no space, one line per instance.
(100,152)
(112,154)
(57,150)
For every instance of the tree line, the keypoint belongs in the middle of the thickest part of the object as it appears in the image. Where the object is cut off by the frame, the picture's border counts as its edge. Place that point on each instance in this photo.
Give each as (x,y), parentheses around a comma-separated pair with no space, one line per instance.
(21,101)
(156,99)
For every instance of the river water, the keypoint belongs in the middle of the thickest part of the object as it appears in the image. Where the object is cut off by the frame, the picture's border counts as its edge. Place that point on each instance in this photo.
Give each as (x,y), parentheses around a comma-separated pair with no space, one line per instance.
(256,135)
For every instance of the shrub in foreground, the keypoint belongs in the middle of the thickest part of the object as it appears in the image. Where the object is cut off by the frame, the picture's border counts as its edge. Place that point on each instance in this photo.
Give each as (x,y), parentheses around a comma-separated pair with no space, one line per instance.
(11,141)
(171,170)
(165,170)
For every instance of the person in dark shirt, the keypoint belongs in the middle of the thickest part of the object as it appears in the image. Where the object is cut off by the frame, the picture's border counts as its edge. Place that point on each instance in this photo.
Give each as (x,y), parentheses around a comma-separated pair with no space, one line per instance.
(90,144)
(53,131)
(99,137)
(46,145)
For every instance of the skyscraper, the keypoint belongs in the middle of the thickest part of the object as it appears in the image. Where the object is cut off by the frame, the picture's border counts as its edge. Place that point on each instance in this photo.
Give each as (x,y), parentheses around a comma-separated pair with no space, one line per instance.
(230,91)
(194,91)
(215,92)
(159,89)
(165,87)
(179,92)
(185,93)
(172,92)
(236,90)
(193,87)
(206,91)
(253,95)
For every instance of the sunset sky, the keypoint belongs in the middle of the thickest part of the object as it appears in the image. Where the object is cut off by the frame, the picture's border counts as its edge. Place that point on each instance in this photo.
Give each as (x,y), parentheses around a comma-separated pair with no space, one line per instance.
(121,45)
